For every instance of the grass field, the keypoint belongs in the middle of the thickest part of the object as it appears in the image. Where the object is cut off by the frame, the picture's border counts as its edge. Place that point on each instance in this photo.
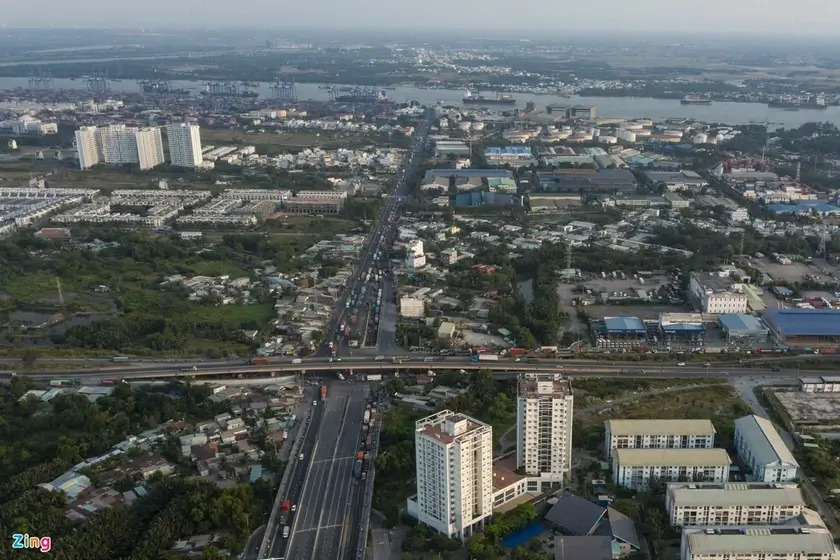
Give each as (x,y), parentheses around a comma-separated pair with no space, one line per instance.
(720,403)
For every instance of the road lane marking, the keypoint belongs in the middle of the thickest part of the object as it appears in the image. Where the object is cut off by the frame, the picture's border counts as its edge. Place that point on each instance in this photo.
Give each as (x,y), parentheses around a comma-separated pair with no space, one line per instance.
(330,477)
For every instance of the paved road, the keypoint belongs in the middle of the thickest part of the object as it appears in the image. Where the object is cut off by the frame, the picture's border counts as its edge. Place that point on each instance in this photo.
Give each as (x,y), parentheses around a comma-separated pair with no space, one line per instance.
(321,528)
(745,388)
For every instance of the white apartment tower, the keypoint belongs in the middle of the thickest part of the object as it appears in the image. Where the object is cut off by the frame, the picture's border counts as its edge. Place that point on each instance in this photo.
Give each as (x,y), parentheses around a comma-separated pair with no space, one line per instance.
(544,429)
(454,473)
(117,144)
(149,147)
(88,147)
(184,144)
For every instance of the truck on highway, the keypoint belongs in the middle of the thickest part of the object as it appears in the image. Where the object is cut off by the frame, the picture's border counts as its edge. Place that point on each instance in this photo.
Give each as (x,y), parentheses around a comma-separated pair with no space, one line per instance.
(62,383)
(368,442)
(194,368)
(260,361)
(374,377)
(379,358)
(284,511)
(110,381)
(485,358)
(367,416)
(297,361)
(323,392)
(286,532)
(120,359)
(357,468)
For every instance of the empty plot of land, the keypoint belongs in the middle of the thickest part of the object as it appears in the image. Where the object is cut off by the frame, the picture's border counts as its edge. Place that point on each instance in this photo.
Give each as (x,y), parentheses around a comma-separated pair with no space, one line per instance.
(719,402)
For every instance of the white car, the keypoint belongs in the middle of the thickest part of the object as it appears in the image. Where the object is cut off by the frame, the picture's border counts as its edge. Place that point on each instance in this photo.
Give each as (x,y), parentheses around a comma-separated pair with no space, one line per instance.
(314,403)
(294,507)
(301,457)
(680,363)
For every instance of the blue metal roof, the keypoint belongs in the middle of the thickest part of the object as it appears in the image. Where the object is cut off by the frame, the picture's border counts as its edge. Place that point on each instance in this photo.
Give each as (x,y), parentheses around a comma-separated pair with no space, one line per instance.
(740,322)
(682,327)
(624,324)
(804,206)
(805,322)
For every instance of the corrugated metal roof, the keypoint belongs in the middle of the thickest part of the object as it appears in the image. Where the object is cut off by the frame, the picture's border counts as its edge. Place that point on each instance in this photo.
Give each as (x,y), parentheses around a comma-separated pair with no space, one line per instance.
(764,441)
(741,323)
(624,324)
(805,322)
(672,457)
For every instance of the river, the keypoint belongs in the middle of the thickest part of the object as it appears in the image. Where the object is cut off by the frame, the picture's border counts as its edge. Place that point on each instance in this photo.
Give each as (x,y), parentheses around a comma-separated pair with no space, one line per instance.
(622,107)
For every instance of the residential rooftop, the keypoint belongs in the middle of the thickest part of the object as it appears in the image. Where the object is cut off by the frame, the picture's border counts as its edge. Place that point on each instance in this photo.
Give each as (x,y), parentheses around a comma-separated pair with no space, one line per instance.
(665,427)
(737,494)
(759,539)
(547,385)
(672,457)
(765,442)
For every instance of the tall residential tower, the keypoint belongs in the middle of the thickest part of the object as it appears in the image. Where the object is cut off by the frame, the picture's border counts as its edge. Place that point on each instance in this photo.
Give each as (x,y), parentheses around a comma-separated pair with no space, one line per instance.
(184,144)
(454,473)
(117,144)
(544,407)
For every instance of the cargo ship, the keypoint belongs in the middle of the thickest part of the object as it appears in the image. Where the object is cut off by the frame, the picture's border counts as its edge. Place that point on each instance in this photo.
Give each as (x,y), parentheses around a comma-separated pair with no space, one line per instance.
(251,84)
(796,104)
(156,88)
(696,99)
(243,94)
(473,98)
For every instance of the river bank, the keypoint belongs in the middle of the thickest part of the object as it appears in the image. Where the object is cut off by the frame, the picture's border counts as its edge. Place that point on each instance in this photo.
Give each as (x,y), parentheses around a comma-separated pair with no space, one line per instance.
(727,112)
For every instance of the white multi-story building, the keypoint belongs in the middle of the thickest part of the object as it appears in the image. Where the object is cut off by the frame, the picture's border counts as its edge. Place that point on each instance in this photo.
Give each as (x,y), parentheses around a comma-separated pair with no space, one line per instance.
(758,542)
(88,147)
(454,459)
(149,147)
(634,468)
(544,408)
(119,145)
(698,503)
(184,144)
(716,292)
(658,434)
(761,448)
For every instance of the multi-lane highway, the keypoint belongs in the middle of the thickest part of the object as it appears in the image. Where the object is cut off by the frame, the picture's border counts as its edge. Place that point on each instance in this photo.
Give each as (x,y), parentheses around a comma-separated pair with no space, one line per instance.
(323,482)
(324,525)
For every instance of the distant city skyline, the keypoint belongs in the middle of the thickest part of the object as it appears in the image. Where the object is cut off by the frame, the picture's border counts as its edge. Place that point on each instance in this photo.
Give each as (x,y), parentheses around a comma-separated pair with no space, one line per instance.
(810,17)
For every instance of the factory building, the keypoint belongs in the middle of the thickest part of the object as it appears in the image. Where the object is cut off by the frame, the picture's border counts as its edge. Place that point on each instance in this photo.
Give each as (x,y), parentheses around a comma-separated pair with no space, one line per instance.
(717,292)
(745,329)
(805,327)
(621,332)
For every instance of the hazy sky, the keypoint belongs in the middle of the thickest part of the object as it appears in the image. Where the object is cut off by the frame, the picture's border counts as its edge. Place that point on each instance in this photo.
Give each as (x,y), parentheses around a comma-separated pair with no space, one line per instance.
(753,17)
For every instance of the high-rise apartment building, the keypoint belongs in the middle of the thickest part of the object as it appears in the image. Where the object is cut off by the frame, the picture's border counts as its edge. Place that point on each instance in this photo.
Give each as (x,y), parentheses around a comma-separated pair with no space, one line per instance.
(544,409)
(117,144)
(454,459)
(184,144)
(88,147)
(149,147)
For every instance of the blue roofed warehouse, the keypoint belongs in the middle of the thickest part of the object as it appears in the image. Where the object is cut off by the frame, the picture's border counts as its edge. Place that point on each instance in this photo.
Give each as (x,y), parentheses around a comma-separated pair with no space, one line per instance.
(799,327)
